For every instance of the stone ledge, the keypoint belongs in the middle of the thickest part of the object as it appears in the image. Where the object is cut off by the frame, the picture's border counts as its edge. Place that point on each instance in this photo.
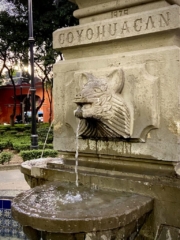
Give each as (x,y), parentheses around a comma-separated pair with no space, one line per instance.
(9,193)
(10,167)
(119,3)
(111,6)
(96,210)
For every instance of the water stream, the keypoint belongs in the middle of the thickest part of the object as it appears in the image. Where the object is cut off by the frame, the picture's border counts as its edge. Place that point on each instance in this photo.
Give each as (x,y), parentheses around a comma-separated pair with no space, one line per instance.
(77,148)
(77,153)
(46,138)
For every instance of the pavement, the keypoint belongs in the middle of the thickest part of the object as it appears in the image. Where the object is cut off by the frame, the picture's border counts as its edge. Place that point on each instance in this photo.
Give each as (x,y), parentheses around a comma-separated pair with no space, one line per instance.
(12,182)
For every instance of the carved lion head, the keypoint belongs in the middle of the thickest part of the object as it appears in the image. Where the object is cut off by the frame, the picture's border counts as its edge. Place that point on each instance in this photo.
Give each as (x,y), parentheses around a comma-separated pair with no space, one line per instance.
(101,108)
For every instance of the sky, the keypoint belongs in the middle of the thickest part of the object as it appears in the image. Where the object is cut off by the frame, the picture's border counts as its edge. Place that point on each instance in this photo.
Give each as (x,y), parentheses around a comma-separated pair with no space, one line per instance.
(4,6)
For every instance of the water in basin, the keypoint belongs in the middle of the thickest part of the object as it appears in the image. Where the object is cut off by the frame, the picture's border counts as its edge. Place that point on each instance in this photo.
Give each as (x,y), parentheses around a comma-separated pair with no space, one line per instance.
(66,208)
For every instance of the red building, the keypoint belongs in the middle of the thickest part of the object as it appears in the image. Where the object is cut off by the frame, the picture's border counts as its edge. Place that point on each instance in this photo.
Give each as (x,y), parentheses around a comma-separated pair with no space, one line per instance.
(23,106)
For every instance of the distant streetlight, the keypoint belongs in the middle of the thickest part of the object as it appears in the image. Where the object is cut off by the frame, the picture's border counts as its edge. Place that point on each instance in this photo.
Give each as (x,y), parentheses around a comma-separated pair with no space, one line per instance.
(34,136)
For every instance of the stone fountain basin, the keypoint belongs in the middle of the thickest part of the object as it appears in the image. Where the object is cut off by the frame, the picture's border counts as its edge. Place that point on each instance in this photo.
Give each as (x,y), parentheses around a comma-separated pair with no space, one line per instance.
(63,207)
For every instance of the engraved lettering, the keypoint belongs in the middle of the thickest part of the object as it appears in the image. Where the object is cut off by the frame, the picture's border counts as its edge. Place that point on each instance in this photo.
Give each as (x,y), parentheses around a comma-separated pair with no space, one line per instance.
(125,11)
(133,25)
(61,38)
(150,23)
(114,14)
(100,31)
(70,37)
(164,21)
(112,32)
(79,34)
(125,27)
(119,13)
(89,33)
(137,25)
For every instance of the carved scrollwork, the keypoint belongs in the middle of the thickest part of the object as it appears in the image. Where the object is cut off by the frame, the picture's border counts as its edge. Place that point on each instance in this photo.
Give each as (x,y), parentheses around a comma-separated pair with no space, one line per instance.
(101,107)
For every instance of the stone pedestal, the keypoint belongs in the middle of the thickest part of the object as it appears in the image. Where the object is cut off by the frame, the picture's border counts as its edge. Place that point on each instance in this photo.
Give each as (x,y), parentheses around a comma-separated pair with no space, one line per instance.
(120,77)
(64,211)
(140,40)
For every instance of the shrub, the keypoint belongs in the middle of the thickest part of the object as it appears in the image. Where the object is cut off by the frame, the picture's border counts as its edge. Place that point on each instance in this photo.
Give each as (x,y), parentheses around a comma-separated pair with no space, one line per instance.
(5,127)
(22,127)
(4,145)
(43,125)
(5,157)
(20,134)
(13,132)
(10,144)
(47,146)
(42,134)
(21,146)
(34,154)
(27,131)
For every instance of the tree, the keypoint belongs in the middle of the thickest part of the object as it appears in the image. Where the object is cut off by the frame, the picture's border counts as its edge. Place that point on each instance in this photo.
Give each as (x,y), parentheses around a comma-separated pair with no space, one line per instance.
(48,16)
(12,50)
(44,63)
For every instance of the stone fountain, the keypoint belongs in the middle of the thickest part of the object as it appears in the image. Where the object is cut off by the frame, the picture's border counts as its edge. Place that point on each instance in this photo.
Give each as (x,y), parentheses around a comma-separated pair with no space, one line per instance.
(116,126)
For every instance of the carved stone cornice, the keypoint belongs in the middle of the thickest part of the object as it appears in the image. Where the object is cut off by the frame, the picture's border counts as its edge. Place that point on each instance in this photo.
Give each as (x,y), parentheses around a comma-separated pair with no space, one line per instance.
(90,8)
(119,3)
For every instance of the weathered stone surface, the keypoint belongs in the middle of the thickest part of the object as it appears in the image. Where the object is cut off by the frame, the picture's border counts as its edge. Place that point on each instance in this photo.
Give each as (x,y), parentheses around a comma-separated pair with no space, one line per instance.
(121,27)
(101,109)
(59,207)
(165,190)
(102,235)
(86,15)
(123,112)
(90,236)
(120,4)
(111,9)
(147,92)
(177,168)
(168,232)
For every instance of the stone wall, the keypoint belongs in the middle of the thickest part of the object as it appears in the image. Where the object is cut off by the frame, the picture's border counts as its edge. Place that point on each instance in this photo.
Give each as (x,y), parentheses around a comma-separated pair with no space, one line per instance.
(140,39)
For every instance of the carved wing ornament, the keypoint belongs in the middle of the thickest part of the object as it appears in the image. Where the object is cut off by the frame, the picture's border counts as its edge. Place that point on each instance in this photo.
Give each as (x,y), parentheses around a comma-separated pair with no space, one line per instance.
(101,107)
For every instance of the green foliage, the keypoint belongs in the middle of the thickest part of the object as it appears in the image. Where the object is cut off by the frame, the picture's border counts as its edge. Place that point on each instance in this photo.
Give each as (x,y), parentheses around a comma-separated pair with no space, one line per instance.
(5,127)
(47,146)
(34,154)
(42,126)
(13,40)
(23,135)
(14,45)
(5,157)
(4,144)
(13,132)
(26,146)
(20,135)
(17,139)
(21,146)
(47,17)
(22,127)
(42,134)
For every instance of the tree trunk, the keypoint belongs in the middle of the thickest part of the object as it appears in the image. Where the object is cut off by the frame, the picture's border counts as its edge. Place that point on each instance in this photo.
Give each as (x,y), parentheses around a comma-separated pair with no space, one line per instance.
(12,116)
